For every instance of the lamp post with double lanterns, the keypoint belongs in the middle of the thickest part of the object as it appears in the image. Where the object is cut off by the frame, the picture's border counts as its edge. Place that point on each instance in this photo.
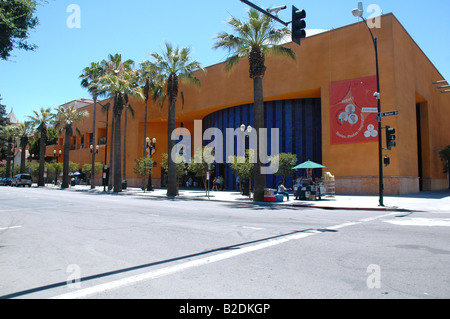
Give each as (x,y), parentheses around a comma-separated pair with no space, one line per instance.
(56,155)
(151,146)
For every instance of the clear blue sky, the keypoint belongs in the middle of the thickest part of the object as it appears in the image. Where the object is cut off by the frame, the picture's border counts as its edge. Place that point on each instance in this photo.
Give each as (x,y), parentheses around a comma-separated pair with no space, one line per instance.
(50,76)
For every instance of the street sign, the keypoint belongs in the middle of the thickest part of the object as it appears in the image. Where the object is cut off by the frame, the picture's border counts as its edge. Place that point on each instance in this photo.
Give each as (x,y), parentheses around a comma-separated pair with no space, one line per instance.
(386,114)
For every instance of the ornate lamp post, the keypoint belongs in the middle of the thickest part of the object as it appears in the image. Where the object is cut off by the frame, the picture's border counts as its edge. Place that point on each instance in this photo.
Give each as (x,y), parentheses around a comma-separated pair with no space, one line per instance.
(151,147)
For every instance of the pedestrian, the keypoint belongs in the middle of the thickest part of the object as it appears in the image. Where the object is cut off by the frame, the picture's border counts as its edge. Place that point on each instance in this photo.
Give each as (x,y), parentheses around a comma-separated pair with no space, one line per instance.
(283,190)
(218,183)
(214,183)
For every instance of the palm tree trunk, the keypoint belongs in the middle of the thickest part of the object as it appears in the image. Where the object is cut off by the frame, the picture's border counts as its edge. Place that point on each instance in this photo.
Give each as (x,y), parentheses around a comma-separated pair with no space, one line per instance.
(41,181)
(260,179)
(8,157)
(111,146)
(23,145)
(117,148)
(145,136)
(257,71)
(125,147)
(65,180)
(94,146)
(172,189)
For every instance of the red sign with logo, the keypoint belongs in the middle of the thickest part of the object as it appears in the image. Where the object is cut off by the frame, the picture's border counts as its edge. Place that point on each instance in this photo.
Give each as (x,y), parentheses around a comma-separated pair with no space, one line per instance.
(353,111)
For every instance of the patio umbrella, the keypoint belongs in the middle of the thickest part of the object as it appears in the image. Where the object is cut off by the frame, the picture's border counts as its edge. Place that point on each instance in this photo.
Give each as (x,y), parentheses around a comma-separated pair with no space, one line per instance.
(309,165)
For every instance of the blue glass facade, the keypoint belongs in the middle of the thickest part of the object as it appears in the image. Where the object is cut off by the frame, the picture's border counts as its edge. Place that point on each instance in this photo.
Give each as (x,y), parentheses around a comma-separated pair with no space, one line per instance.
(300,131)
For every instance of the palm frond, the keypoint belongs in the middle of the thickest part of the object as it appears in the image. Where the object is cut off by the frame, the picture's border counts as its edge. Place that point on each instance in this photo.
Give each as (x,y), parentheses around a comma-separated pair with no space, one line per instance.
(258,31)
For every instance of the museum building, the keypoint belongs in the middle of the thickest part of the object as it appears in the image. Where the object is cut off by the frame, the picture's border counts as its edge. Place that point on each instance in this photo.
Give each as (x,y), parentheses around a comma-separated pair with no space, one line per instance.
(323,105)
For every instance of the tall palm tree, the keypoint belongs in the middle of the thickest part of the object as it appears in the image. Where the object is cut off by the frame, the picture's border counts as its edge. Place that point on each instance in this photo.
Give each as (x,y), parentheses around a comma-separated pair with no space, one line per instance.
(40,121)
(8,133)
(121,82)
(25,130)
(152,83)
(175,65)
(66,117)
(90,80)
(254,39)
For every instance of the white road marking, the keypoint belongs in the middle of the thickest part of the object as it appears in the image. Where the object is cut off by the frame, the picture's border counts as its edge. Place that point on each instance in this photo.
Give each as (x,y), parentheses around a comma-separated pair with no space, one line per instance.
(83,293)
(424,222)
(248,227)
(12,227)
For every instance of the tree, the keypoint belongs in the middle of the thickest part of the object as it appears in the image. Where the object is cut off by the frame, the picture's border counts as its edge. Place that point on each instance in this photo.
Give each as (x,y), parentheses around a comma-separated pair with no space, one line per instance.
(4,121)
(180,167)
(25,130)
(65,118)
(90,79)
(200,169)
(255,39)
(8,133)
(142,166)
(152,83)
(40,121)
(57,169)
(244,167)
(121,82)
(87,170)
(175,65)
(16,21)
(445,158)
(282,164)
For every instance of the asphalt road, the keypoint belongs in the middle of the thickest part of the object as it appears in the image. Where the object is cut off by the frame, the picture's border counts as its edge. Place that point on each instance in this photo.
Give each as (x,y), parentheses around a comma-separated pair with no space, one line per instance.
(66,244)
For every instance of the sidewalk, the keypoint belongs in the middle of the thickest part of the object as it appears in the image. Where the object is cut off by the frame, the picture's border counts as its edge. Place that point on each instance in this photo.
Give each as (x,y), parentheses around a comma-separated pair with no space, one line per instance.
(424,201)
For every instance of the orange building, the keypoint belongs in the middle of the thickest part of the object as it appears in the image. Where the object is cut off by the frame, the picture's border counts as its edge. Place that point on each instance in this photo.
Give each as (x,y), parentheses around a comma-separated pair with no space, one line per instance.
(334,73)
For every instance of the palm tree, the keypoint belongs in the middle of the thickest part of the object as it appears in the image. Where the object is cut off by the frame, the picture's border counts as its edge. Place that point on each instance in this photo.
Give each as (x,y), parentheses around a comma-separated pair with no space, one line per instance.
(24,131)
(8,133)
(175,65)
(40,121)
(65,118)
(254,39)
(90,80)
(152,83)
(121,82)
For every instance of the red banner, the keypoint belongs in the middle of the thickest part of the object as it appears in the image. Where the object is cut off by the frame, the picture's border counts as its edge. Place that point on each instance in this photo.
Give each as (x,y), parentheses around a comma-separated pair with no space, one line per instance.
(353,111)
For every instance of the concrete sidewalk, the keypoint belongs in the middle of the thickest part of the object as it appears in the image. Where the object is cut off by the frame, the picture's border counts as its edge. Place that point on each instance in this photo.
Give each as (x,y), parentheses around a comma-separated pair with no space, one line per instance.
(424,201)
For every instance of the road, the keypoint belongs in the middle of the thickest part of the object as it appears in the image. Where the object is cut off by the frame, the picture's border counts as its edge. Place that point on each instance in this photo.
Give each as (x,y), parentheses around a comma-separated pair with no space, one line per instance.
(67,244)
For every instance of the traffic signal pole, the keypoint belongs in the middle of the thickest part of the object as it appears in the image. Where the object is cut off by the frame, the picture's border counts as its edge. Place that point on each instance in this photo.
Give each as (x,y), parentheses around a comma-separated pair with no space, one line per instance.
(380,127)
(254,6)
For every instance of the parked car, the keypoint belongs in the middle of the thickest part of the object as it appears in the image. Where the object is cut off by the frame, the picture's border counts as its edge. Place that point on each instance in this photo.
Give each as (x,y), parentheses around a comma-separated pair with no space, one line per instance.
(22,180)
(5,182)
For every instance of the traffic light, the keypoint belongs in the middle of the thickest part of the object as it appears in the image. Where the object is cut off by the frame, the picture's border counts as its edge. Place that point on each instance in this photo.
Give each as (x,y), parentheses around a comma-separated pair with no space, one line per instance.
(387,161)
(298,25)
(390,138)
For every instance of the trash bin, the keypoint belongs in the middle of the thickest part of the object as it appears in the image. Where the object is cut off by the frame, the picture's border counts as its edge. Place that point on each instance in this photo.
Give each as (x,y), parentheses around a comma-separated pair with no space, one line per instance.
(124,184)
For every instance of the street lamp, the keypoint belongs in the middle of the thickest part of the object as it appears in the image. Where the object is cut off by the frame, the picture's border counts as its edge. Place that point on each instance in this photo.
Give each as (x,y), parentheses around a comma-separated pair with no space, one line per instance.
(151,145)
(359,14)
(55,154)
(91,147)
(246,186)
